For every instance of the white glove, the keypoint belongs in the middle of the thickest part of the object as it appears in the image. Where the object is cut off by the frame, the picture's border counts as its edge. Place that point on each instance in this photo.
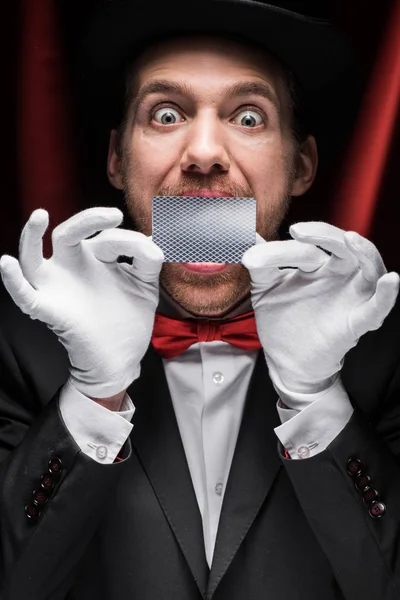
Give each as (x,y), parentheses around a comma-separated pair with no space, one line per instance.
(310,316)
(101,311)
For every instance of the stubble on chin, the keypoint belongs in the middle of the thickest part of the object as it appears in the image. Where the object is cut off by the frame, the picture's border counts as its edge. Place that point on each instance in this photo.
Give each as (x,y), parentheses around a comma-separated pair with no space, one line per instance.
(209,294)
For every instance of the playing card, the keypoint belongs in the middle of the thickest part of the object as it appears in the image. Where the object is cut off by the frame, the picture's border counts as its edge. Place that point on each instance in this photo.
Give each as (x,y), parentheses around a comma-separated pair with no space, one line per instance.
(197,229)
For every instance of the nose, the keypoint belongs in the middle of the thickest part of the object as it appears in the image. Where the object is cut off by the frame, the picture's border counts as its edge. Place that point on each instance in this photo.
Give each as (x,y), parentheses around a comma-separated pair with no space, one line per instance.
(205,151)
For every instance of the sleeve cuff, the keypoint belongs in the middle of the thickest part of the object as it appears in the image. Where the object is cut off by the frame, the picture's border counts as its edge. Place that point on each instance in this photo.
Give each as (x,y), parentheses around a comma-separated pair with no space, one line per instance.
(100,433)
(307,432)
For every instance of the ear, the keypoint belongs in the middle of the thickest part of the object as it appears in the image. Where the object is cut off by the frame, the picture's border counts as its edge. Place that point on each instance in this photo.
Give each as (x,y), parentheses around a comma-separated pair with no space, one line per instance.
(306,168)
(114,171)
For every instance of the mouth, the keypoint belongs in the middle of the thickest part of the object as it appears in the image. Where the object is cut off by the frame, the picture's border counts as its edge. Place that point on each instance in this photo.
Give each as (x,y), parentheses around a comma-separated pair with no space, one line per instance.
(205,267)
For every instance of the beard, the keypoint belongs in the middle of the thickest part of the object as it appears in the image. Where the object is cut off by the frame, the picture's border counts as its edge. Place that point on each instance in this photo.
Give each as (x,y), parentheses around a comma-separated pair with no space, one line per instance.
(216,294)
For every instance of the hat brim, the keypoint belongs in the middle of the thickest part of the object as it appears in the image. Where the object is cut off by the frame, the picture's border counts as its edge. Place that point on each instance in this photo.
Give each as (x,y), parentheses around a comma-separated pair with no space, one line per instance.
(312,48)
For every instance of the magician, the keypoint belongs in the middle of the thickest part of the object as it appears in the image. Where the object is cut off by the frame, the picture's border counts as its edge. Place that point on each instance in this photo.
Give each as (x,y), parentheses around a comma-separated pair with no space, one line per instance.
(188,430)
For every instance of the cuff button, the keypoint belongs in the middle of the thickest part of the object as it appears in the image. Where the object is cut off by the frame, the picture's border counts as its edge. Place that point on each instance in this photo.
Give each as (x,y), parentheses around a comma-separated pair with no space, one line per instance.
(303,452)
(370,494)
(101,452)
(32,512)
(55,466)
(377,509)
(40,497)
(47,482)
(362,482)
(354,467)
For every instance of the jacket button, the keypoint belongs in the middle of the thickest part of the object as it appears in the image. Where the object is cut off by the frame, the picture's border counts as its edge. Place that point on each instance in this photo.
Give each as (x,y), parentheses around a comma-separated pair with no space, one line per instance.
(47,482)
(370,494)
(354,467)
(32,512)
(40,497)
(377,509)
(362,482)
(55,466)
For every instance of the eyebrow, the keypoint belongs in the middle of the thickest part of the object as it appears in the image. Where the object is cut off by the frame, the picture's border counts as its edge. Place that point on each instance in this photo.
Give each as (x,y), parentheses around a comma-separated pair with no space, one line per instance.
(245,88)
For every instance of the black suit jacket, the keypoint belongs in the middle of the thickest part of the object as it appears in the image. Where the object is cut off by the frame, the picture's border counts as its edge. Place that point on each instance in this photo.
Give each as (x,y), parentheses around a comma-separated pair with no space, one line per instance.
(289,530)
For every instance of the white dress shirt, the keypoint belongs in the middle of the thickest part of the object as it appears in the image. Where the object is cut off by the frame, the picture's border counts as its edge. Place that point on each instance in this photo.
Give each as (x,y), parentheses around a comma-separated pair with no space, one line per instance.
(208,385)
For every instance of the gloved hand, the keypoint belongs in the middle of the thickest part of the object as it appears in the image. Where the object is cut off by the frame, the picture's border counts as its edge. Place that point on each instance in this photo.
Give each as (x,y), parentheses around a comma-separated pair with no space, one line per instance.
(310,316)
(102,311)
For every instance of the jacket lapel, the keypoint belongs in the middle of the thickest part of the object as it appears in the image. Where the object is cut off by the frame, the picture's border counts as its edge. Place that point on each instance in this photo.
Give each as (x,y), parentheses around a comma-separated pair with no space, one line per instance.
(254,467)
(157,441)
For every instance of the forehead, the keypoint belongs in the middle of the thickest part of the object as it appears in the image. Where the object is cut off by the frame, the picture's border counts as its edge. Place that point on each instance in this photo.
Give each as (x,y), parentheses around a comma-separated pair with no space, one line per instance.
(207,56)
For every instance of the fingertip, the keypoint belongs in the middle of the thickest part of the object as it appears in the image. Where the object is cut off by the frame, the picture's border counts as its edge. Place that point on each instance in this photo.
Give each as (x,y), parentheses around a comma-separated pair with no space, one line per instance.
(292,231)
(293,228)
(299,232)
(353,239)
(254,257)
(160,252)
(6,261)
(297,229)
(36,225)
(154,251)
(11,275)
(157,248)
(40,216)
(3,260)
(393,276)
(351,234)
(391,280)
(260,239)
(248,253)
(113,214)
(387,290)
(117,214)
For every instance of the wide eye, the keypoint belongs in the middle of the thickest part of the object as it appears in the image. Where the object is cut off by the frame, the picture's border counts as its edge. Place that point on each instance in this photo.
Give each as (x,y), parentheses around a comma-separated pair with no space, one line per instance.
(249,118)
(167,116)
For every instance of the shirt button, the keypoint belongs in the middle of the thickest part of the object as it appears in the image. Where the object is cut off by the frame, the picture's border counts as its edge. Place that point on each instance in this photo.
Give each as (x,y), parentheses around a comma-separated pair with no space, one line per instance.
(218,488)
(303,452)
(218,377)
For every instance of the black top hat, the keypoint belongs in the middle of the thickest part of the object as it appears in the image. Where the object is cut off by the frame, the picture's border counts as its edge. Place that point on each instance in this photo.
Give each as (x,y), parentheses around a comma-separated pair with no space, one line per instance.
(316,52)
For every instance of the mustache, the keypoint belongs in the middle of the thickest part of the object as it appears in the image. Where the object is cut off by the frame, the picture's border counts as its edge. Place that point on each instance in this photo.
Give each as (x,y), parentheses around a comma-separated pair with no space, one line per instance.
(190,184)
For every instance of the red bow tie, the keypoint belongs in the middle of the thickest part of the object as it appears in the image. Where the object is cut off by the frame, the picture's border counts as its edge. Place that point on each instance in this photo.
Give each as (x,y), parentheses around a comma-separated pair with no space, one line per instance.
(172,336)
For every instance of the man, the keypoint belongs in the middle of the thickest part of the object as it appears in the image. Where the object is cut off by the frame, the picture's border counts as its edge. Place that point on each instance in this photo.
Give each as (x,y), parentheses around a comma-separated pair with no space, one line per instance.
(265,467)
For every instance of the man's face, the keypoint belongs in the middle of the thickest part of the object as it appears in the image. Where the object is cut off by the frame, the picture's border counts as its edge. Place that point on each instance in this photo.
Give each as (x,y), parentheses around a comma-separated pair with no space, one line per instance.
(209,116)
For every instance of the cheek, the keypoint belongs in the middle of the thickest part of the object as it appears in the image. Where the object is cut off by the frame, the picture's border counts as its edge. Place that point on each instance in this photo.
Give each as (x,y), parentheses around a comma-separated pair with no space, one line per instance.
(152,156)
(268,170)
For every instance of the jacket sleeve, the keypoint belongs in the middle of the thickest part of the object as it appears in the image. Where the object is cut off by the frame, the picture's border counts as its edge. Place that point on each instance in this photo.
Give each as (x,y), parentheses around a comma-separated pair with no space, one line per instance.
(42,541)
(350,493)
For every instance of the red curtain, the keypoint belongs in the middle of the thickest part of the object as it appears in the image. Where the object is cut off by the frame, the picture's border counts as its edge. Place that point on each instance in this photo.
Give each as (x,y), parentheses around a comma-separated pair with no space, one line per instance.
(367,154)
(46,166)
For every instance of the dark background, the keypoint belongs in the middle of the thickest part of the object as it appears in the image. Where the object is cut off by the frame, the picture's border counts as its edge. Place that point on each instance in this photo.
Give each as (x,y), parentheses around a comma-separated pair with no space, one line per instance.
(69,172)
